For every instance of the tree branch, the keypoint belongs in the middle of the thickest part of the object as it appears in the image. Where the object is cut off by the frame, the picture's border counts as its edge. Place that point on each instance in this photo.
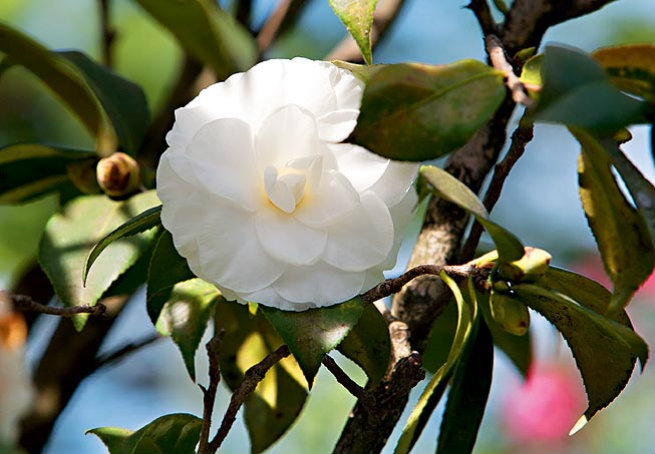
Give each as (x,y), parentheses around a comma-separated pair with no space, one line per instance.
(383,18)
(499,61)
(107,33)
(345,381)
(251,379)
(123,351)
(483,14)
(278,22)
(27,304)
(209,393)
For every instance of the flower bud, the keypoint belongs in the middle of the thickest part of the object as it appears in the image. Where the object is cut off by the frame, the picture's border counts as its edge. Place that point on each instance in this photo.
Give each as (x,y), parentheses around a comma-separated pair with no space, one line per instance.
(529,268)
(118,175)
(510,314)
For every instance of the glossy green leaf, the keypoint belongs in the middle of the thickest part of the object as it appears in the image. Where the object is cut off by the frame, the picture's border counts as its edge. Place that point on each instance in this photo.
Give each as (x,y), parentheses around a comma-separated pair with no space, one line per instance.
(177,433)
(362,72)
(357,16)
(311,334)
(577,92)
(138,224)
(415,112)
(69,237)
(469,390)
(63,78)
(206,32)
(280,396)
(450,188)
(531,73)
(619,229)
(124,101)
(630,67)
(604,350)
(368,344)
(31,170)
(166,269)
(185,315)
(432,393)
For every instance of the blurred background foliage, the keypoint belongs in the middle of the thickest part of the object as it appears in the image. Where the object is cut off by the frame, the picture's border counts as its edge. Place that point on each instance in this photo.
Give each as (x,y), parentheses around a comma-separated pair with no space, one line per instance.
(540,204)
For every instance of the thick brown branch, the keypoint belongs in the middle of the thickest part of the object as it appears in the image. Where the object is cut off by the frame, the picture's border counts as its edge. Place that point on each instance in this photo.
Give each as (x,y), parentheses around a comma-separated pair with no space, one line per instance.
(27,304)
(251,379)
(345,381)
(383,18)
(483,14)
(209,393)
(499,61)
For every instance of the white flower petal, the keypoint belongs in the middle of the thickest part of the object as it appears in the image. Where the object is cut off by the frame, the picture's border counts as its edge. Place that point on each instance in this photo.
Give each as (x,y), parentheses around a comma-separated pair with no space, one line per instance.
(337,125)
(374,276)
(288,240)
(359,165)
(395,182)
(326,204)
(319,285)
(402,215)
(188,120)
(221,156)
(363,239)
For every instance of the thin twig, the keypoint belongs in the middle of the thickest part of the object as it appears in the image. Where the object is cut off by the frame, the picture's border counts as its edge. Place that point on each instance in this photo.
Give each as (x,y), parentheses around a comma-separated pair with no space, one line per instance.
(383,18)
(520,138)
(391,286)
(107,33)
(242,15)
(274,24)
(251,378)
(126,349)
(25,303)
(483,14)
(352,387)
(209,393)
(499,61)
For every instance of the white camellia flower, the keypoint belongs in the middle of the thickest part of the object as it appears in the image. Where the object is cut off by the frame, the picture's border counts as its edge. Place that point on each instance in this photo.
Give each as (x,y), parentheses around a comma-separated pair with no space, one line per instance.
(264,202)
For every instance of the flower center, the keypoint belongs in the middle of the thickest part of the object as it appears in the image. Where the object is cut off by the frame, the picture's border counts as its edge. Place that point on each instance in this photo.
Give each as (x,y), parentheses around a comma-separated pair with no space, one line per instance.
(286,188)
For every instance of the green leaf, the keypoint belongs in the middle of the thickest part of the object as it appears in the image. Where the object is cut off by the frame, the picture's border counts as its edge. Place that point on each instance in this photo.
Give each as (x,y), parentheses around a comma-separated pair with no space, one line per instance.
(311,334)
(577,92)
(69,237)
(62,78)
(619,229)
(531,73)
(414,112)
(362,72)
(280,396)
(468,393)
(440,339)
(177,433)
(432,393)
(206,32)
(185,315)
(604,350)
(124,101)
(368,344)
(166,269)
(450,188)
(138,224)
(630,67)
(357,16)
(30,170)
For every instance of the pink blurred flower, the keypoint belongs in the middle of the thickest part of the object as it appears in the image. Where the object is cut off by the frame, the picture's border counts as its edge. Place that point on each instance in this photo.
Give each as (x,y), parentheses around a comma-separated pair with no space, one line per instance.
(545,407)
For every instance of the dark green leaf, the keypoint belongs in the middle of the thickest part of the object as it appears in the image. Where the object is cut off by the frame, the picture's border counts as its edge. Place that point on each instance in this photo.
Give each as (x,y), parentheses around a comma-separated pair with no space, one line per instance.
(177,433)
(368,344)
(62,78)
(124,101)
(577,92)
(440,339)
(166,269)
(311,334)
(432,393)
(138,224)
(278,399)
(468,393)
(206,32)
(450,188)
(619,229)
(185,315)
(69,237)
(28,171)
(357,16)
(630,67)
(604,350)
(414,112)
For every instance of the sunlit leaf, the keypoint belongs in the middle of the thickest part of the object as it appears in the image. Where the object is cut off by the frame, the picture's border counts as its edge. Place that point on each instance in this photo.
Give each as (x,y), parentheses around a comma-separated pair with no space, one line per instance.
(357,16)
(177,433)
(621,234)
(311,334)
(577,92)
(630,67)
(69,237)
(531,73)
(278,399)
(414,112)
(604,350)
(368,344)
(450,188)
(185,315)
